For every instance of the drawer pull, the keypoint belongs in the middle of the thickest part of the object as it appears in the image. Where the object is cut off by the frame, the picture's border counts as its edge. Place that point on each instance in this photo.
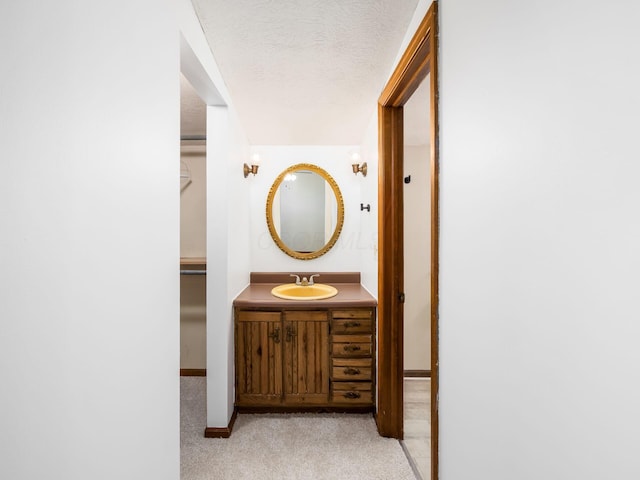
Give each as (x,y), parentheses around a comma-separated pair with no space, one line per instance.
(352,395)
(351,324)
(352,348)
(351,371)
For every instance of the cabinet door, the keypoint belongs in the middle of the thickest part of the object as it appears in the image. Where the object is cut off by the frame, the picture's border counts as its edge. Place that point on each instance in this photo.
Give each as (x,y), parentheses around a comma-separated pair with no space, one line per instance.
(258,358)
(306,357)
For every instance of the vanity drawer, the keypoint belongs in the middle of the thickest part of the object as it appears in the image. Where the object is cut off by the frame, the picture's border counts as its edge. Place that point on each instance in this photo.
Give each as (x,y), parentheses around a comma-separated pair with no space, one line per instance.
(355,313)
(351,346)
(351,325)
(351,369)
(351,392)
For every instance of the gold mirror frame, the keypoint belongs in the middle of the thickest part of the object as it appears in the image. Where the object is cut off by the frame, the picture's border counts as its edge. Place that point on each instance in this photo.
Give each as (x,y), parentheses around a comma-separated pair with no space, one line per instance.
(339,219)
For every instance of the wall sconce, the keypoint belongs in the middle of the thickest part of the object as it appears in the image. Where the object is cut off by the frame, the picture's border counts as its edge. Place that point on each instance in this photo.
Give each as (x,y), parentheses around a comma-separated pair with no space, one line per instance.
(355,165)
(255,164)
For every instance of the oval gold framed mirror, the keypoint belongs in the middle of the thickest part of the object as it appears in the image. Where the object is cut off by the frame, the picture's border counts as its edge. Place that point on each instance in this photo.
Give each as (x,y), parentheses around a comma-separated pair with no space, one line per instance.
(305,211)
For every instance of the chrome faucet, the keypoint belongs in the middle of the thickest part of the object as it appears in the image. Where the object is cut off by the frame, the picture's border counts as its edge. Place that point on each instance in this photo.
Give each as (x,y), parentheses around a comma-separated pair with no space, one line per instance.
(304,282)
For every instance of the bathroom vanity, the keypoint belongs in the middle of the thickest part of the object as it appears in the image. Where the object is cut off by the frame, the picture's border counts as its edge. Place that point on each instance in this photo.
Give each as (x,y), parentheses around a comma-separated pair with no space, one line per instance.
(305,354)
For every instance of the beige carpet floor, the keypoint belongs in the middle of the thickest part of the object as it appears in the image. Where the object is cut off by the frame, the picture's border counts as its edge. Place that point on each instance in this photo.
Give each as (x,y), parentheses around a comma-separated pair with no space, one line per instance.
(288,446)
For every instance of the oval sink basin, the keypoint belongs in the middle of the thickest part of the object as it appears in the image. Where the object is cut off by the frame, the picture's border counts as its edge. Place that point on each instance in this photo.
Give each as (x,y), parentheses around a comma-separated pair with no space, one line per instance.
(291,291)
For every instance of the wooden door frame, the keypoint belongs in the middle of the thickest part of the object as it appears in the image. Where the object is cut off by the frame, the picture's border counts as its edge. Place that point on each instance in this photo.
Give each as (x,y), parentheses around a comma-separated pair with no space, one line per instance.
(418,60)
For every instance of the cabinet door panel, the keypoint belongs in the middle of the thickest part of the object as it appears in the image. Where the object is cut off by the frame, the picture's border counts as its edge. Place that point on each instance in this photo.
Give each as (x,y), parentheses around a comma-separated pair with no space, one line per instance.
(306,360)
(259,360)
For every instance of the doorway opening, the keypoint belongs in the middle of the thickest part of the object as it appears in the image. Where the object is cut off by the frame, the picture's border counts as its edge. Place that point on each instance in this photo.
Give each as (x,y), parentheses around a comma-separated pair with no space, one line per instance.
(193,231)
(419,62)
(417,280)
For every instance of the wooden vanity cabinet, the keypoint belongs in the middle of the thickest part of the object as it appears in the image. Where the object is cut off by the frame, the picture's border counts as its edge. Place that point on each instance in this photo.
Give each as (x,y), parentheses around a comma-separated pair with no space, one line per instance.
(305,358)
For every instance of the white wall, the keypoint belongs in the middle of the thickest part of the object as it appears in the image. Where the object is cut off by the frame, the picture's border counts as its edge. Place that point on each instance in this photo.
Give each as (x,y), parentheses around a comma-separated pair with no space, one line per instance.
(227,259)
(369,223)
(193,203)
(89,265)
(369,149)
(239,224)
(417,257)
(539,312)
(228,223)
(345,255)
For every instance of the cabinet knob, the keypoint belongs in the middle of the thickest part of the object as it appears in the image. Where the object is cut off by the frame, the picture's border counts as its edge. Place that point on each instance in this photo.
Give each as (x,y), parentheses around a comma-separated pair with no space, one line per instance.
(352,395)
(351,324)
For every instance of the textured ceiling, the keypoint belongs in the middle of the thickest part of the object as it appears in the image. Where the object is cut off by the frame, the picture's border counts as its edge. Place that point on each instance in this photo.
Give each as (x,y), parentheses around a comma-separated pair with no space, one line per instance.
(305,71)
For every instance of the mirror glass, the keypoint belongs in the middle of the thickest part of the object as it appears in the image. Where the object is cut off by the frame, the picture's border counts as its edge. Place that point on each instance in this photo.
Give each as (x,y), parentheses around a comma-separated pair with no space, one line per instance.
(305,211)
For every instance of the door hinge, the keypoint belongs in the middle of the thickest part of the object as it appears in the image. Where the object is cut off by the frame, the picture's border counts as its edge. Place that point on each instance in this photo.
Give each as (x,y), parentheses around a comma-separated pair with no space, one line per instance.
(401,297)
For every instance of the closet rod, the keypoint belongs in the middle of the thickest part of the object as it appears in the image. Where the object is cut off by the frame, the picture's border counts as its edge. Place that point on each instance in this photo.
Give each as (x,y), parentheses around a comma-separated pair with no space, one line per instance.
(193,272)
(184,138)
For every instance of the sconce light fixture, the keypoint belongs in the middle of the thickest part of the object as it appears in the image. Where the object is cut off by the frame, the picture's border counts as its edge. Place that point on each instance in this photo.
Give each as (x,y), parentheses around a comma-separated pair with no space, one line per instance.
(255,164)
(355,164)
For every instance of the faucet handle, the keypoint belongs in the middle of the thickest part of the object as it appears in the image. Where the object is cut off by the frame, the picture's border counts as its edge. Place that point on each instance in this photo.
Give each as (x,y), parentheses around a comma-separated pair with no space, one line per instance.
(311,278)
(297,278)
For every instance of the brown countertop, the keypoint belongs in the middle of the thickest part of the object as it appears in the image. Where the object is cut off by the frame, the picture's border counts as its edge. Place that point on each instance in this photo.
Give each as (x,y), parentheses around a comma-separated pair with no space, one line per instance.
(350,292)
